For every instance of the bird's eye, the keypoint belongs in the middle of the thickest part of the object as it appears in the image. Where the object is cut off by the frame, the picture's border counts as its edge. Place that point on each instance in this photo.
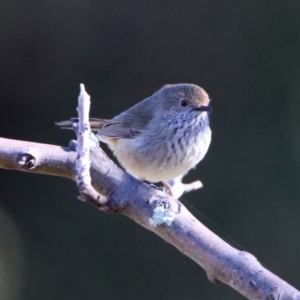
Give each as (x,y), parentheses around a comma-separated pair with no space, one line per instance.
(184,103)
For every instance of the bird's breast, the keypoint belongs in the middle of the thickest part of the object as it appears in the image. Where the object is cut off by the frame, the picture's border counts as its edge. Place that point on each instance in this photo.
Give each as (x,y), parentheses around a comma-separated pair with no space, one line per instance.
(164,154)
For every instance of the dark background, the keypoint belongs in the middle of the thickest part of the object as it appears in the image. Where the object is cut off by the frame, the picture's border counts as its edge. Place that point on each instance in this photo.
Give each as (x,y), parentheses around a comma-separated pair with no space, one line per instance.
(244,53)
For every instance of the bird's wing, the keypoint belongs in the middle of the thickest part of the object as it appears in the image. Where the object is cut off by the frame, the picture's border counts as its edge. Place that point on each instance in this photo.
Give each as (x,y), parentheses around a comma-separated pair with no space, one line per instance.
(118,129)
(115,128)
(129,123)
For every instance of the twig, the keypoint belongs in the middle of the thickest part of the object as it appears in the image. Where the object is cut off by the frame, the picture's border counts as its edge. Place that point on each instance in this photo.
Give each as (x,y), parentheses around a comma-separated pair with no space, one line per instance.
(83,131)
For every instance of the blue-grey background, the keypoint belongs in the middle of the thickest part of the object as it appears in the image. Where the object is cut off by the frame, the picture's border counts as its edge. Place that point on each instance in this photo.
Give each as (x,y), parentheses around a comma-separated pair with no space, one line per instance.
(246,54)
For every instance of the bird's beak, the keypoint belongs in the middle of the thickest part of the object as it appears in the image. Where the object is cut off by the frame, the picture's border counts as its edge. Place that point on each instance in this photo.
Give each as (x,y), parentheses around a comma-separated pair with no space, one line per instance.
(203,108)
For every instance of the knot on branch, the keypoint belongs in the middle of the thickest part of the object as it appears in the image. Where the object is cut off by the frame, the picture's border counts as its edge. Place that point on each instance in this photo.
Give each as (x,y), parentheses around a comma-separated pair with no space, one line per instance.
(274,294)
(212,276)
(26,161)
(253,285)
(114,206)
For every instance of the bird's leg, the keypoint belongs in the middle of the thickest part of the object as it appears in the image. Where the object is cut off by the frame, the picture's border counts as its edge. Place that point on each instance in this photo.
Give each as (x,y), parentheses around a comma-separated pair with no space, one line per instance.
(168,188)
(153,185)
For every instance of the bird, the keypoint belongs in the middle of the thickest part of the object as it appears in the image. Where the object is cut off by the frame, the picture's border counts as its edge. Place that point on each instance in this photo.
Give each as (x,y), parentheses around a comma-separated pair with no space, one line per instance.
(160,137)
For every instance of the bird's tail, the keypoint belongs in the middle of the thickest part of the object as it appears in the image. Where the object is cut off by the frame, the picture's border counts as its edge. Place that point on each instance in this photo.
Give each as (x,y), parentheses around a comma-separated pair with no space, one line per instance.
(96,124)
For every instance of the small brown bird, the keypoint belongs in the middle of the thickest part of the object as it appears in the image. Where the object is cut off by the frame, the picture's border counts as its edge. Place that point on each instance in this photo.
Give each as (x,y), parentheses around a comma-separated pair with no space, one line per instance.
(162,136)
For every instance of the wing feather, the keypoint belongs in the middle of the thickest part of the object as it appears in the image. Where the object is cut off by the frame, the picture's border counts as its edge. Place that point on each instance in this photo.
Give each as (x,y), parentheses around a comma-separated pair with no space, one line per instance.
(118,129)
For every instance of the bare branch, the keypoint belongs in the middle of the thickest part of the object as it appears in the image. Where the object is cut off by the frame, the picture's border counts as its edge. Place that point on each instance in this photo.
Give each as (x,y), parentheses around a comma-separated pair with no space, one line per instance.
(139,201)
(83,131)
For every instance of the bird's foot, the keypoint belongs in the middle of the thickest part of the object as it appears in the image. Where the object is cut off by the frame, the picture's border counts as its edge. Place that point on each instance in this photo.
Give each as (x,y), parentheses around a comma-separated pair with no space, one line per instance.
(168,188)
(153,185)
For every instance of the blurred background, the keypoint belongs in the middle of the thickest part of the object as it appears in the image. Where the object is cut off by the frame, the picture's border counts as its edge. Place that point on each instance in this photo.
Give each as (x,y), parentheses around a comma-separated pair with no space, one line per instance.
(246,54)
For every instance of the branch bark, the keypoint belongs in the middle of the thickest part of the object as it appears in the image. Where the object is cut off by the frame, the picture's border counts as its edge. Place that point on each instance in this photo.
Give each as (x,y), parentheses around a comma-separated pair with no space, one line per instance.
(139,201)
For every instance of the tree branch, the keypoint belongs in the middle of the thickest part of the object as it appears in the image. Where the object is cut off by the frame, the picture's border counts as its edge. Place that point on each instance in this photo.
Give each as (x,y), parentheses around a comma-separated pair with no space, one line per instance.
(138,201)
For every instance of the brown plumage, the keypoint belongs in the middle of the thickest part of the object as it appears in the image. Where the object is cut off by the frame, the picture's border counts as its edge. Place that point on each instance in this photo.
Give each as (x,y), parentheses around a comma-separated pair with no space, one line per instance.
(162,136)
